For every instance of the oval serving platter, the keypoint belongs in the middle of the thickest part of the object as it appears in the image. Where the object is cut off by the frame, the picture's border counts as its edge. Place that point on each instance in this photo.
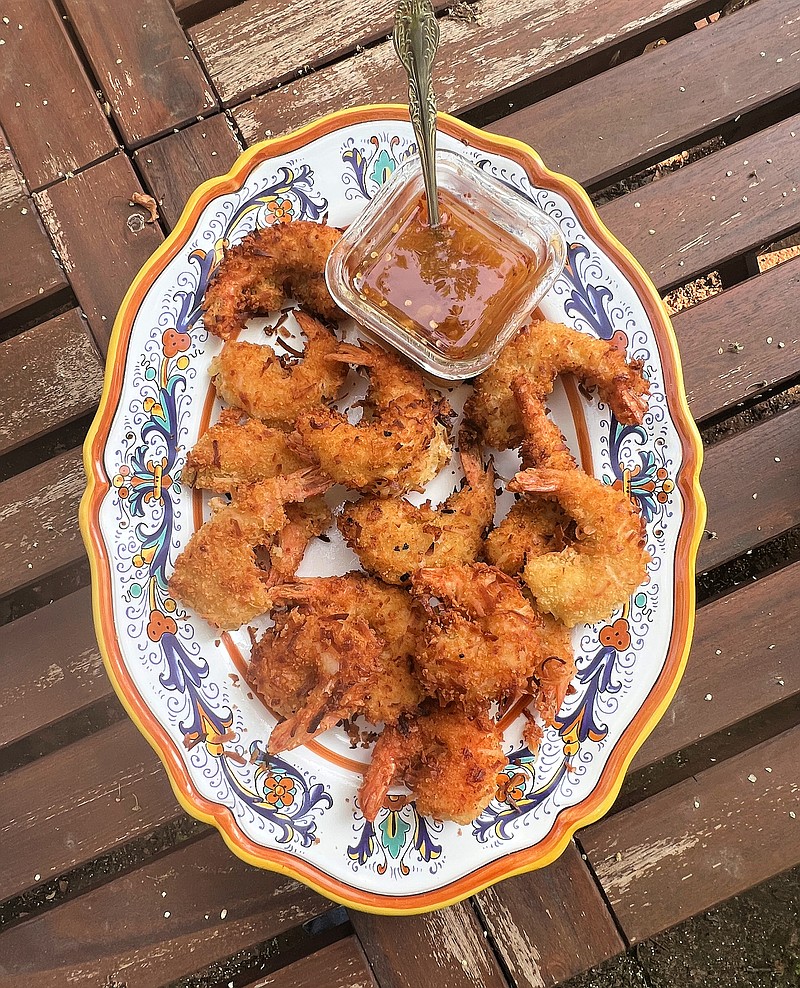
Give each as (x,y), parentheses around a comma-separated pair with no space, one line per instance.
(183,683)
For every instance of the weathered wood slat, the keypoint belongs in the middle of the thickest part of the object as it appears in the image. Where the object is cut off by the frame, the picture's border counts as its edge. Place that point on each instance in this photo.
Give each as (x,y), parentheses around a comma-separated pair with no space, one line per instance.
(753,314)
(174,166)
(142,59)
(50,666)
(752,485)
(687,848)
(707,212)
(342,965)
(102,240)
(505,46)
(441,948)
(257,44)
(665,98)
(743,660)
(48,109)
(550,925)
(69,807)
(49,376)
(39,521)
(167,919)
(29,272)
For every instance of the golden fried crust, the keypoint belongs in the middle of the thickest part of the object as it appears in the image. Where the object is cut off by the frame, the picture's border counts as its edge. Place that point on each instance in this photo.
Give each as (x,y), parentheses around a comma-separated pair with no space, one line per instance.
(264,386)
(596,573)
(237,451)
(450,760)
(393,538)
(481,641)
(533,526)
(399,445)
(257,276)
(540,352)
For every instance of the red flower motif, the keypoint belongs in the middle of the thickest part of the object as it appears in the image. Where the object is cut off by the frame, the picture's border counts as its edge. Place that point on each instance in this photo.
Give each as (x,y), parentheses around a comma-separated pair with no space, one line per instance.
(616,635)
(280,792)
(173,342)
(510,788)
(281,210)
(160,624)
(619,341)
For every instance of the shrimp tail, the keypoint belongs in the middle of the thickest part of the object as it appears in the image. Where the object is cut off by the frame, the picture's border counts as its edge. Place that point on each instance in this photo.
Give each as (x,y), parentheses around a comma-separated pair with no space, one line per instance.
(537,481)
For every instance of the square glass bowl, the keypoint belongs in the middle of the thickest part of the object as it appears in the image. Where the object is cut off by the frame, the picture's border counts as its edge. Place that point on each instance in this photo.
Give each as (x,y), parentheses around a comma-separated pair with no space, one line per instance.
(449,298)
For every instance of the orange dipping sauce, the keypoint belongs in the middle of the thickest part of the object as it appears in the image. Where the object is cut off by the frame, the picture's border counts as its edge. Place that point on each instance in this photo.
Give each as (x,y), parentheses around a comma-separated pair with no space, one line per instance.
(454,286)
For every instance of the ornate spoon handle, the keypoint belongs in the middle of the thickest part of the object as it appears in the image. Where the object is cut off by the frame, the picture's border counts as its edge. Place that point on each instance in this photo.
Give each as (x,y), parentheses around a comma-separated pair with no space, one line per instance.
(416,38)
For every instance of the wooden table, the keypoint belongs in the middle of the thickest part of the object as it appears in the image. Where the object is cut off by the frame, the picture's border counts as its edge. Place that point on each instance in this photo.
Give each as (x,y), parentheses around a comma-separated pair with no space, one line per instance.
(104,880)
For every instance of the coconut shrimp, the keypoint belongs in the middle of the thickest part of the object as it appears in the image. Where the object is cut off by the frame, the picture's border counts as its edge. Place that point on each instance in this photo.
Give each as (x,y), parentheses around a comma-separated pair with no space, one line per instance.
(237,451)
(217,573)
(596,573)
(540,352)
(267,267)
(482,641)
(393,538)
(266,387)
(381,686)
(400,444)
(449,758)
(550,684)
(534,525)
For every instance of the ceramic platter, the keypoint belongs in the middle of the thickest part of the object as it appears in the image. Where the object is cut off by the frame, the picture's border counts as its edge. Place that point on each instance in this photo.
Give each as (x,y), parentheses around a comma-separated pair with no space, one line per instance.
(183,683)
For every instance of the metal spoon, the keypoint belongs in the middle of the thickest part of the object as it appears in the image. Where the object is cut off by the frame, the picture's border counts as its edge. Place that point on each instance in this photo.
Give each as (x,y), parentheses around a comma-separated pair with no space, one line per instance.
(416,38)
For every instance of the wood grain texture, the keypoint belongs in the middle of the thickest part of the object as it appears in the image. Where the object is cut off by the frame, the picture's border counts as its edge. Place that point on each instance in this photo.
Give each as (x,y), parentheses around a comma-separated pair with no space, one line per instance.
(48,108)
(752,485)
(441,948)
(69,807)
(753,314)
(29,270)
(720,206)
(39,521)
(165,920)
(41,681)
(49,376)
(342,965)
(551,924)
(256,44)
(665,98)
(142,59)
(505,46)
(688,848)
(173,167)
(102,240)
(743,660)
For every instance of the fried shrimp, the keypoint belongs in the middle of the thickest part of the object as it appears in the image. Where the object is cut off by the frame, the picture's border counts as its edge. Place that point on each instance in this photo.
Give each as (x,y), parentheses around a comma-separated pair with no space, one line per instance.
(483,640)
(400,444)
(393,538)
(283,261)
(237,450)
(387,687)
(540,352)
(217,573)
(449,758)
(591,576)
(266,387)
(534,525)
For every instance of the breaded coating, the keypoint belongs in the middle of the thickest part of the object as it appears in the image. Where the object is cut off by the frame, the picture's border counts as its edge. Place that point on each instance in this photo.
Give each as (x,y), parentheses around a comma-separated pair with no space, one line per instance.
(596,573)
(483,640)
(270,388)
(399,445)
(257,276)
(540,352)
(389,613)
(237,450)
(450,759)
(217,573)
(394,538)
